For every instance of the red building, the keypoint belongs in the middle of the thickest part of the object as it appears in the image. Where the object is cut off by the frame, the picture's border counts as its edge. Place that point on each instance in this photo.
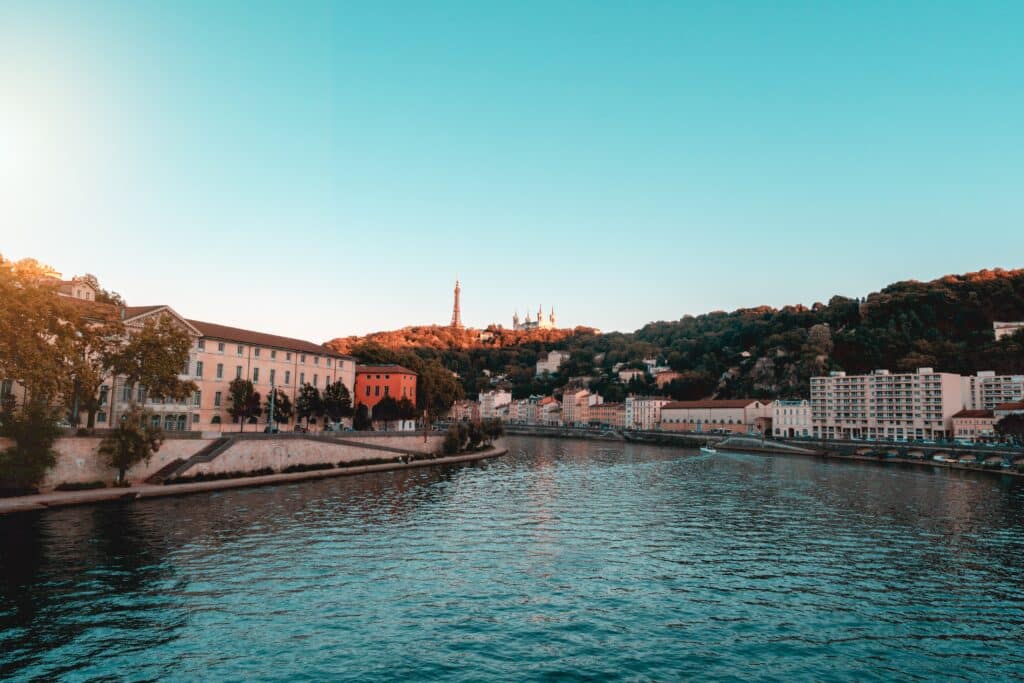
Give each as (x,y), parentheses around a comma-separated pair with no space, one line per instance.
(374,382)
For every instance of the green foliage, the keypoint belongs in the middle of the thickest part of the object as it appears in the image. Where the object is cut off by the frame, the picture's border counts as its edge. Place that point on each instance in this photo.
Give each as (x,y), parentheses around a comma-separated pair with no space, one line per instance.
(243,401)
(1012,427)
(362,420)
(80,486)
(133,441)
(492,429)
(283,409)
(34,431)
(337,402)
(154,357)
(386,411)
(308,404)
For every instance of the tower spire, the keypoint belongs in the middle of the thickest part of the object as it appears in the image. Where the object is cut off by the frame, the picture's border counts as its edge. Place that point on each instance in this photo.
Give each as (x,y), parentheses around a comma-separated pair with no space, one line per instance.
(456,313)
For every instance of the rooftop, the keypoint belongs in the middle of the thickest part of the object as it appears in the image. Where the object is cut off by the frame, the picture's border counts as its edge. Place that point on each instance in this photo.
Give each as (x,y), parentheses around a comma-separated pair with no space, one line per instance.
(711,403)
(235,334)
(384,367)
(974,413)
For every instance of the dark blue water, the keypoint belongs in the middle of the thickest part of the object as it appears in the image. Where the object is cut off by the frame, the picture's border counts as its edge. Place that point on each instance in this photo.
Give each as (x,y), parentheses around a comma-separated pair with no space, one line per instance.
(565,560)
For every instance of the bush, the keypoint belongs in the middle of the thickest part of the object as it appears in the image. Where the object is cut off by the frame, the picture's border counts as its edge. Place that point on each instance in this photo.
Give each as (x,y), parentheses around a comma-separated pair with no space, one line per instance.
(311,467)
(80,486)
(34,430)
(188,479)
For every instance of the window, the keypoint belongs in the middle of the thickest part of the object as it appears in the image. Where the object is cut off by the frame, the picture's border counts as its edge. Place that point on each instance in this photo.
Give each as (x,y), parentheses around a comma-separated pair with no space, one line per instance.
(197,398)
(6,388)
(101,416)
(238,372)
(272,373)
(220,346)
(287,377)
(288,355)
(199,368)
(216,399)
(302,378)
(140,395)
(314,380)
(256,352)
(195,418)
(104,390)
(240,349)
(273,354)
(255,375)
(316,360)
(376,391)
(220,371)
(215,420)
(328,362)
(201,344)
(302,358)
(126,394)
(367,389)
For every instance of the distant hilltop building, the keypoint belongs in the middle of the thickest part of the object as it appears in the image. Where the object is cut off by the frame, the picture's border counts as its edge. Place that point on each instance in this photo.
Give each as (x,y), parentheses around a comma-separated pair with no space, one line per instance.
(541,323)
(456,311)
(1007,329)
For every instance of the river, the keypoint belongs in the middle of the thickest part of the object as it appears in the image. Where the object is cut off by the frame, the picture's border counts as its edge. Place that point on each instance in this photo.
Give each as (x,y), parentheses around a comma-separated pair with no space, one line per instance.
(565,560)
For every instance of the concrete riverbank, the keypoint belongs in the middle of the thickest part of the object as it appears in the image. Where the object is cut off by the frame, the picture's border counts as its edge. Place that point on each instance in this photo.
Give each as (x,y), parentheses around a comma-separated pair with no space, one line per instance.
(55,499)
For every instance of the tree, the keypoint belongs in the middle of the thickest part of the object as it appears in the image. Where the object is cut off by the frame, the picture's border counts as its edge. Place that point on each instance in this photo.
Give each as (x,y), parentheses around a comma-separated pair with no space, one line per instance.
(362,421)
(93,348)
(243,401)
(1012,427)
(437,389)
(308,404)
(407,409)
(386,411)
(283,409)
(154,356)
(133,441)
(492,429)
(337,402)
(34,431)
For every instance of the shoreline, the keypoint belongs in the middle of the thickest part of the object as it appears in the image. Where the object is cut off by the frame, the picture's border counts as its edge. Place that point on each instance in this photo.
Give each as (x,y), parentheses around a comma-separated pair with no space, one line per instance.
(59,499)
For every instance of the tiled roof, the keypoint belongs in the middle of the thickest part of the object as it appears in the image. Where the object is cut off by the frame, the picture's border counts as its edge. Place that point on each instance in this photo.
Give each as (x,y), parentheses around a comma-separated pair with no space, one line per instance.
(1016,405)
(132,311)
(395,369)
(235,334)
(974,413)
(725,403)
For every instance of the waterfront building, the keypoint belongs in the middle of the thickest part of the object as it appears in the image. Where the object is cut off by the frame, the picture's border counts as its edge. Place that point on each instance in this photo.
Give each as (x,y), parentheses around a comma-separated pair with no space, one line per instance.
(886,406)
(494,402)
(549,411)
(644,412)
(986,390)
(1005,409)
(464,410)
(553,361)
(606,414)
(218,355)
(791,418)
(541,323)
(374,382)
(1006,329)
(736,415)
(974,425)
(574,405)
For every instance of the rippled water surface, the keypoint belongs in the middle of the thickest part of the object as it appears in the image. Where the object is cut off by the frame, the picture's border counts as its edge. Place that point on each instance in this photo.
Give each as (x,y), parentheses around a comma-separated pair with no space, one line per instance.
(563,560)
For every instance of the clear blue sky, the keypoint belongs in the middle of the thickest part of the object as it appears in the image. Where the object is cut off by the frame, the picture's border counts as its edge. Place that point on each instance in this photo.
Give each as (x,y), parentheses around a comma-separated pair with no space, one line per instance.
(326,169)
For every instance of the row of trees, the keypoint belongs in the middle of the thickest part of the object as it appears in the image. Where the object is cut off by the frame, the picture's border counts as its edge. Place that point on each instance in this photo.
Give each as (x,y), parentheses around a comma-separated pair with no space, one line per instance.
(245,404)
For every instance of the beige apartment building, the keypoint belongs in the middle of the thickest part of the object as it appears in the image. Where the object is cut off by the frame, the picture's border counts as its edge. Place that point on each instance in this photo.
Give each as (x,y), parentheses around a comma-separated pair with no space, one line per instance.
(986,390)
(220,354)
(791,418)
(574,406)
(644,412)
(606,414)
(884,405)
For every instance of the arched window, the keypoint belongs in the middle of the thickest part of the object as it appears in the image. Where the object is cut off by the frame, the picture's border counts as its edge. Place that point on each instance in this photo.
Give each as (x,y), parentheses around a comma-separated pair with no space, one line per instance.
(215,420)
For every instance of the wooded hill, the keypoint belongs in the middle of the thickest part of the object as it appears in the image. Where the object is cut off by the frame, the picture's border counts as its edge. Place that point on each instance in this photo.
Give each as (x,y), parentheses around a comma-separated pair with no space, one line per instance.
(760,352)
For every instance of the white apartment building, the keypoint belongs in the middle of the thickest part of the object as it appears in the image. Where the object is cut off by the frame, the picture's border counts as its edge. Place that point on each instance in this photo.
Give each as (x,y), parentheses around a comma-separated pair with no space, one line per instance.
(552,363)
(791,418)
(986,390)
(494,403)
(884,405)
(644,412)
(574,406)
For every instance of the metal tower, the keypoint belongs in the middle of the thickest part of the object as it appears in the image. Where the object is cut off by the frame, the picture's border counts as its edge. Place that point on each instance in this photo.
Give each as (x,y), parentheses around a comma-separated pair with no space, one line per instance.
(456,313)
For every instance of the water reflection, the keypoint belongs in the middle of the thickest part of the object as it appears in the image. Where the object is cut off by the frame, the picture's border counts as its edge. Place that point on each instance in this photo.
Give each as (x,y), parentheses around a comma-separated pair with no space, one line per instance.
(565,558)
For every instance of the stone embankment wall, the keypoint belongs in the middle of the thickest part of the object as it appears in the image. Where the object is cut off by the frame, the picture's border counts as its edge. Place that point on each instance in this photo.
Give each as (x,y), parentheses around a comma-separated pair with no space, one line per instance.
(78,460)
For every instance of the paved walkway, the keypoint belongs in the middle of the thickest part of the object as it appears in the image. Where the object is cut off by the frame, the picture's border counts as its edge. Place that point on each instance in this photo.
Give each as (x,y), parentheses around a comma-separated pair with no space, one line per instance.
(55,499)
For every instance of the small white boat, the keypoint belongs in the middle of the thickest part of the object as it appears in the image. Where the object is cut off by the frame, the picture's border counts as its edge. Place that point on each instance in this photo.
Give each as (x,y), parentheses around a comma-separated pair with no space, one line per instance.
(705,450)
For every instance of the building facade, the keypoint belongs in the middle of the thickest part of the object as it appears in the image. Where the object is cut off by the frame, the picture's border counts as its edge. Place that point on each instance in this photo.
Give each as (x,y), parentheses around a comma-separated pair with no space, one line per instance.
(606,415)
(644,412)
(541,323)
(886,406)
(974,425)
(494,403)
(791,419)
(739,415)
(1006,329)
(553,361)
(986,390)
(374,382)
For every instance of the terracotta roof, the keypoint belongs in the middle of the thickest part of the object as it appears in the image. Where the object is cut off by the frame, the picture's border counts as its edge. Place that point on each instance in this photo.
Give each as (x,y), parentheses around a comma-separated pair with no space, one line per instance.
(132,311)
(974,413)
(391,368)
(236,334)
(547,399)
(1015,405)
(711,403)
